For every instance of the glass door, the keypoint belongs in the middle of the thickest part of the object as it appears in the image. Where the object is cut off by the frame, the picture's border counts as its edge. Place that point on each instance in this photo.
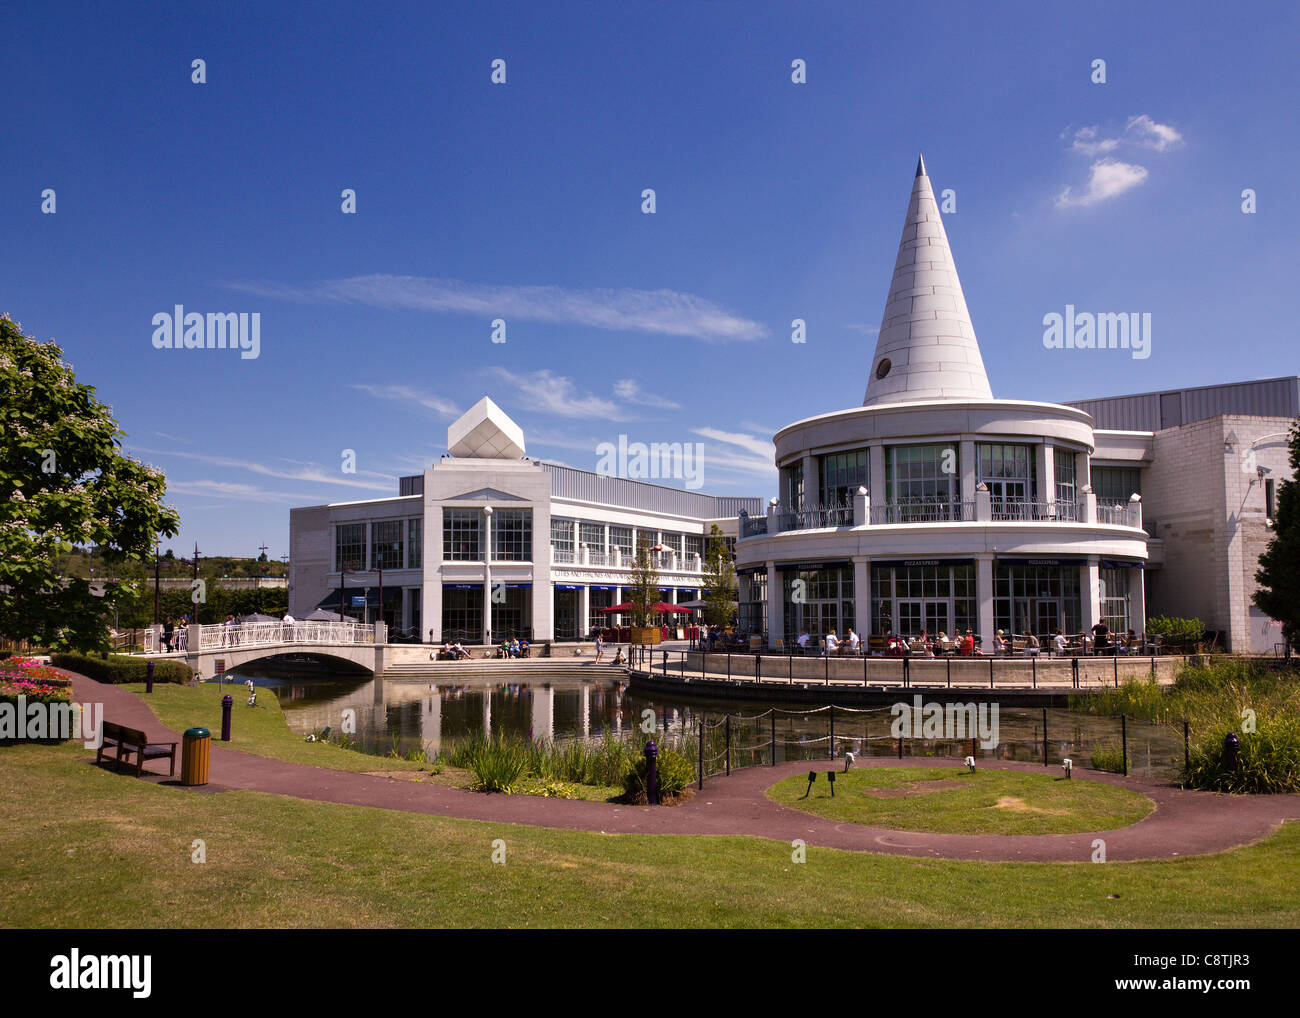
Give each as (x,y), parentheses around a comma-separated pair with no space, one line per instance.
(911,618)
(936,618)
(1047,615)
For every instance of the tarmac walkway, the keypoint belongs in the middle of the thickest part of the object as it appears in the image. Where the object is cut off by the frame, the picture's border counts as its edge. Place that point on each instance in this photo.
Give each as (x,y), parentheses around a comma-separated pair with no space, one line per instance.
(1184,823)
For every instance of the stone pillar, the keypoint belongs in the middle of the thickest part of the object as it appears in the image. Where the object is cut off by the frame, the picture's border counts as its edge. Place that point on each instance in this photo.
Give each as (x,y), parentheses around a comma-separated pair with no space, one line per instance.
(968,465)
(1089,514)
(584,606)
(775,606)
(1137,601)
(584,555)
(1045,466)
(861,508)
(487,574)
(876,474)
(773,525)
(862,595)
(1090,588)
(617,618)
(984,590)
(983,504)
(1135,510)
(811,498)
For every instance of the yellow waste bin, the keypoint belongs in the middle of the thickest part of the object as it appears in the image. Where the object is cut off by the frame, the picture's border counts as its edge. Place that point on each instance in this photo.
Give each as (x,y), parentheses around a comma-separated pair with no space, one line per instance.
(195,752)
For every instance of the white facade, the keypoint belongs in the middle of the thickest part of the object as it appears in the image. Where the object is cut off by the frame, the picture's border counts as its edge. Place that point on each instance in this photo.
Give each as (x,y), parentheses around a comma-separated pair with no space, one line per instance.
(487,543)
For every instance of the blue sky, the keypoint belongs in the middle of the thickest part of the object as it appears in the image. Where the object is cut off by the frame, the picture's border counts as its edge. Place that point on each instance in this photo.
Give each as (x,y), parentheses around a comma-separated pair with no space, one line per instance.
(522,201)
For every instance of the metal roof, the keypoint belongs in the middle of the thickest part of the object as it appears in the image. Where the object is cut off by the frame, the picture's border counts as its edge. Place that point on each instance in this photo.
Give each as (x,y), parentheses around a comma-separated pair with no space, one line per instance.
(1171,408)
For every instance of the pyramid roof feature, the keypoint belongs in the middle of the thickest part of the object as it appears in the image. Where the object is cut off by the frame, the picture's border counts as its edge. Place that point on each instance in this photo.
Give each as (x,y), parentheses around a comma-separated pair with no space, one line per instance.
(485,432)
(927,348)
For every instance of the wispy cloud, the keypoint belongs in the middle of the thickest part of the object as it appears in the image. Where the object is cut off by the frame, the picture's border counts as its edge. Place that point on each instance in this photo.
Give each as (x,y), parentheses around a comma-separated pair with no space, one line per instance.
(1139,132)
(630,391)
(1157,136)
(310,472)
(243,492)
(406,394)
(664,312)
(555,394)
(761,447)
(866,330)
(1109,178)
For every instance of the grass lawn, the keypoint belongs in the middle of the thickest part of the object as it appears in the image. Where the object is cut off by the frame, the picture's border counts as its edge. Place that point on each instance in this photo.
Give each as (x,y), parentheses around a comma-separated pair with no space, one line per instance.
(948,800)
(83,847)
(261,730)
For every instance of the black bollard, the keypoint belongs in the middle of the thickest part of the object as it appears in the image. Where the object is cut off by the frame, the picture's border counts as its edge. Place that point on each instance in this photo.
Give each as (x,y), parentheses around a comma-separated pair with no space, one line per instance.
(148,677)
(652,773)
(830,776)
(1231,747)
(227,702)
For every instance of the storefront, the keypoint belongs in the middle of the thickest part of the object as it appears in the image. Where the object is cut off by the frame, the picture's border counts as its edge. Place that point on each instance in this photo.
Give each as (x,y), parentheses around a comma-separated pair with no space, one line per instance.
(1037,595)
(935,594)
(818,598)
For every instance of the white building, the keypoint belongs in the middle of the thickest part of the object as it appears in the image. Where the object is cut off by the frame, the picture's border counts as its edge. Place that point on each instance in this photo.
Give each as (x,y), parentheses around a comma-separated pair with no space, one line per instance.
(936,506)
(488,543)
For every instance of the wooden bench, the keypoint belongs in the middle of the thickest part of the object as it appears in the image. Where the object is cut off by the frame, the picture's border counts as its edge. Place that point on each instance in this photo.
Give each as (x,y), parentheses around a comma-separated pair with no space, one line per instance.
(131,740)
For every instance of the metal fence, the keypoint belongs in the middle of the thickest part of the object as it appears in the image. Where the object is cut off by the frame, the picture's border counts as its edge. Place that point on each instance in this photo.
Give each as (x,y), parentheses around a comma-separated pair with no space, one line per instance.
(1047,735)
(1040,671)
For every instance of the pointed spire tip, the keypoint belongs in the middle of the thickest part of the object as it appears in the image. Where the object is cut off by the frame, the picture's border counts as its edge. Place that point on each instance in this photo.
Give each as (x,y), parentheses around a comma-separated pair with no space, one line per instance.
(920,165)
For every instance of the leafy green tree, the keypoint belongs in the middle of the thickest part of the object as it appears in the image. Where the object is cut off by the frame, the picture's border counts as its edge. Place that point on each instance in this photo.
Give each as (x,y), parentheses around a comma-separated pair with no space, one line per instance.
(64,481)
(1279,566)
(719,582)
(643,591)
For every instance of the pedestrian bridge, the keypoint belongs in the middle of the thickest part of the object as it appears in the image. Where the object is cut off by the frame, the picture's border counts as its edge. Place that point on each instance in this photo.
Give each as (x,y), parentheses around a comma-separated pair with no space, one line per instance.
(201,647)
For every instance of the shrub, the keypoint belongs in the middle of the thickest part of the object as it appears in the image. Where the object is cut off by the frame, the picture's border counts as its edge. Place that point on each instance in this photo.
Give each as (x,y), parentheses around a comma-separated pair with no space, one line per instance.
(497,763)
(674,770)
(1268,760)
(119,668)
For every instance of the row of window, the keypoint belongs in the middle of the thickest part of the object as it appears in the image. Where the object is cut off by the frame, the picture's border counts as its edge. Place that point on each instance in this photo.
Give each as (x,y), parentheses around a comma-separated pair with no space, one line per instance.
(602,538)
(394,544)
(931,473)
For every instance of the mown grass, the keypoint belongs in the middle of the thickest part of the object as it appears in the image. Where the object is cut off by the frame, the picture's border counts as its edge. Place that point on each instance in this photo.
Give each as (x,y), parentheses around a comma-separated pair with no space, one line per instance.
(985,802)
(261,730)
(82,847)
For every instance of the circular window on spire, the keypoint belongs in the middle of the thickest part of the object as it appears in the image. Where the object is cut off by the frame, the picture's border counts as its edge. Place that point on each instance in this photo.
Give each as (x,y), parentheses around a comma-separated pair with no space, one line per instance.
(882,369)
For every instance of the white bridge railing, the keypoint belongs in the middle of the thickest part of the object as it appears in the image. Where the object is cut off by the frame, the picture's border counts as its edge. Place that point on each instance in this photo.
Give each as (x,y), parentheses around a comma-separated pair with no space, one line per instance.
(262,634)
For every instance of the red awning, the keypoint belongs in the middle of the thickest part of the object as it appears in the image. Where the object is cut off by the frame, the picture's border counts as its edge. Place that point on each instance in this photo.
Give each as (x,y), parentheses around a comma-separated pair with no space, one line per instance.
(658,608)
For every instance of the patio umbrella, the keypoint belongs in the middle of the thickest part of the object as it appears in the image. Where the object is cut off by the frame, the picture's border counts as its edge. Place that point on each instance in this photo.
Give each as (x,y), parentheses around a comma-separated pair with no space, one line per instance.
(658,608)
(256,617)
(321,615)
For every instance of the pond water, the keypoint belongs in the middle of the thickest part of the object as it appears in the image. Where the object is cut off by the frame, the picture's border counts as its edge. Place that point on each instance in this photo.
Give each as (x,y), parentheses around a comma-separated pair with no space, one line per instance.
(406,715)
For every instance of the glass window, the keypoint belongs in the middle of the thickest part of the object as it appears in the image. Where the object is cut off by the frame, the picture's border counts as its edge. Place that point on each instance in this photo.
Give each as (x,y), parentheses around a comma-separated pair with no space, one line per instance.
(561,540)
(1065,487)
(593,536)
(621,538)
(695,545)
(462,612)
(647,537)
(842,473)
(673,542)
(415,544)
(1008,472)
(792,486)
(922,475)
(387,545)
(1114,599)
(462,535)
(350,546)
(512,535)
(1116,484)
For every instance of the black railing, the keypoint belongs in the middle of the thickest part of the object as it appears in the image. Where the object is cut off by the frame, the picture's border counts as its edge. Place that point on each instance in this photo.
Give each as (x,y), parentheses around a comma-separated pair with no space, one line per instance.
(923,511)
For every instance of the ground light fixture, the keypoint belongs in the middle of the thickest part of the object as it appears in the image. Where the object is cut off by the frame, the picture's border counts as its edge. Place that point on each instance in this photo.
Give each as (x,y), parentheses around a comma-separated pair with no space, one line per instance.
(830,776)
(848,760)
(1067,765)
(812,776)
(969,763)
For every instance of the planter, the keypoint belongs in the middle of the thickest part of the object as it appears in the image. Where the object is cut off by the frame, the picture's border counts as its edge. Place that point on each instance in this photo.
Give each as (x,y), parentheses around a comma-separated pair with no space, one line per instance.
(645,635)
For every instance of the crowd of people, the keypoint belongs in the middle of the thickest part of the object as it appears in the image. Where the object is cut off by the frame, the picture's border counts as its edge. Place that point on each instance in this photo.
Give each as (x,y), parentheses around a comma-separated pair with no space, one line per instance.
(966,644)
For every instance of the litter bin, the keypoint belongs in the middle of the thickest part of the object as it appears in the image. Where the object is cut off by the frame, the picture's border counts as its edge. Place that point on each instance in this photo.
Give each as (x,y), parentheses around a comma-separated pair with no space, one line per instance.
(195,751)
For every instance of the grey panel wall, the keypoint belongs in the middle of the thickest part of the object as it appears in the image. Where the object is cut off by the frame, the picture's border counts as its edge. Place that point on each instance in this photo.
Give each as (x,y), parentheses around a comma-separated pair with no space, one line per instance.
(1154,411)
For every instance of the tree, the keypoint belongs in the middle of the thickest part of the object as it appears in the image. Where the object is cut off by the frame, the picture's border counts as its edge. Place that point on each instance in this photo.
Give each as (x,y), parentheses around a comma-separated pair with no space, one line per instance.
(64,482)
(643,591)
(719,582)
(1279,566)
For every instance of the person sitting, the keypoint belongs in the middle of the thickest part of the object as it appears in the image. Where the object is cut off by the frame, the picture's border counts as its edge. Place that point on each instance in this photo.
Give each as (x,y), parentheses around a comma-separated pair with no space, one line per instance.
(1131,643)
(523,648)
(618,657)
(918,644)
(1001,645)
(448,650)
(832,642)
(1031,644)
(459,651)
(1060,643)
(942,643)
(514,646)
(853,640)
(967,646)
(895,646)
(803,642)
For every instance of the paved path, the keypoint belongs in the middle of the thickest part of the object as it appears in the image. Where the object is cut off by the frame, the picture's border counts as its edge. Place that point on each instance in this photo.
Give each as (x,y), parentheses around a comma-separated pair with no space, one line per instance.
(1184,823)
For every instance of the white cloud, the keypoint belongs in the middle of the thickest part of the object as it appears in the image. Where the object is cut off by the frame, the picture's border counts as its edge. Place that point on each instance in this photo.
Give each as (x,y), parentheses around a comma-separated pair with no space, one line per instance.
(866,330)
(1109,178)
(628,390)
(555,394)
(244,492)
(758,446)
(664,312)
(405,394)
(310,472)
(1153,135)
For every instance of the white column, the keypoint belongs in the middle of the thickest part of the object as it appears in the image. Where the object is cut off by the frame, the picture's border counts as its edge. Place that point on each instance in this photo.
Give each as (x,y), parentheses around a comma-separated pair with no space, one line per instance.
(1045,464)
(810,485)
(617,618)
(984,590)
(1137,601)
(862,595)
(876,471)
(775,606)
(1090,588)
(585,608)
(861,508)
(487,574)
(968,465)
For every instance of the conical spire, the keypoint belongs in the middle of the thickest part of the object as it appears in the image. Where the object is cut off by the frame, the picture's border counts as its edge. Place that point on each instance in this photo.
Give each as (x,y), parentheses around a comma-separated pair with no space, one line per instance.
(926,349)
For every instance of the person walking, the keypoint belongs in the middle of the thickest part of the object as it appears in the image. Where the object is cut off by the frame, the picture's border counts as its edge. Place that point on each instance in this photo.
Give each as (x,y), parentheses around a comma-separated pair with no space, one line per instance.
(1100,634)
(600,646)
(169,627)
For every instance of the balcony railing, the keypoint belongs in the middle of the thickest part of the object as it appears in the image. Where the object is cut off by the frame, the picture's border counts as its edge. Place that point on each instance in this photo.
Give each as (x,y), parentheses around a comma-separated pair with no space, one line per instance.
(815,518)
(923,512)
(752,526)
(1120,514)
(1023,510)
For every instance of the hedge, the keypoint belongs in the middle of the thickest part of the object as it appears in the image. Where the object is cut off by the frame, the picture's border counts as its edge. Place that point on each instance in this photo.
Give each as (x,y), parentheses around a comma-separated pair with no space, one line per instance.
(120,668)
